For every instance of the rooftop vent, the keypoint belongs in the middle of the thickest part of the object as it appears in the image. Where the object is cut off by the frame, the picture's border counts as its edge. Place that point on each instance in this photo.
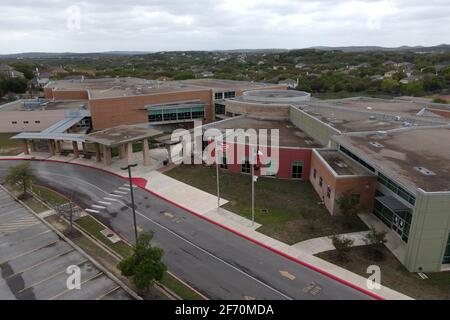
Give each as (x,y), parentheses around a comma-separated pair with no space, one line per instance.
(407,124)
(382,133)
(372,118)
(376,144)
(309,142)
(340,164)
(425,171)
(397,118)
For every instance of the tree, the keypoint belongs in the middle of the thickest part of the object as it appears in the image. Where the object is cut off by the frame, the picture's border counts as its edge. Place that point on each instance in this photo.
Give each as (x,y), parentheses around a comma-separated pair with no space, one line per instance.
(348,207)
(145,265)
(342,245)
(21,174)
(376,239)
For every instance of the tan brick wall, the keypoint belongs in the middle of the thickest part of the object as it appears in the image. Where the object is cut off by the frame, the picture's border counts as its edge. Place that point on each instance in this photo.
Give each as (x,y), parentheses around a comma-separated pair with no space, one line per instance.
(339,185)
(107,113)
(36,120)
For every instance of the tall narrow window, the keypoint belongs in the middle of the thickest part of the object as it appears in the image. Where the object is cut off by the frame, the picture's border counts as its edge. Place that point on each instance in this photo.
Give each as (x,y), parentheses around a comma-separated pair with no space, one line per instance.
(297,169)
(245,167)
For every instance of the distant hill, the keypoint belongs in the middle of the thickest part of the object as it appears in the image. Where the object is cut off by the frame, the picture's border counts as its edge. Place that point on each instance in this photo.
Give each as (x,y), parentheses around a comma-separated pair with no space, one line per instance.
(47,55)
(56,55)
(442,47)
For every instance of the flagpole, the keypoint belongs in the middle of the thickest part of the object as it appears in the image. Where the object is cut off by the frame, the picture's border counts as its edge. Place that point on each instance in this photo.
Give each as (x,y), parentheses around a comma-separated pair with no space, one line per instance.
(217,174)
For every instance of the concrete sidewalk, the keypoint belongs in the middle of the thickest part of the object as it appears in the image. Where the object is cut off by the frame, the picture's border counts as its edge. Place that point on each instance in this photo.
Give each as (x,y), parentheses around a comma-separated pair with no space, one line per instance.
(205,204)
(317,245)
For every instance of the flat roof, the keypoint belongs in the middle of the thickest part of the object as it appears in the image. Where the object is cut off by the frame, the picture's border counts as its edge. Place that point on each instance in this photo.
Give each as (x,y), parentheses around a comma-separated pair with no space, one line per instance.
(129,86)
(391,106)
(43,105)
(341,164)
(122,134)
(406,155)
(34,259)
(357,119)
(290,135)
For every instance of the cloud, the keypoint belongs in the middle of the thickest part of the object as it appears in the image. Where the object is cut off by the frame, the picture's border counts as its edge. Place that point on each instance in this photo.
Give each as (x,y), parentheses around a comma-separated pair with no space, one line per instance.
(46,25)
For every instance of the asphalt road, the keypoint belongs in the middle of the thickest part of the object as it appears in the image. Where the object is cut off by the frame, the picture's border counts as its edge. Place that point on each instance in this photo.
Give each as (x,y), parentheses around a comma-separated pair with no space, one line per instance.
(217,262)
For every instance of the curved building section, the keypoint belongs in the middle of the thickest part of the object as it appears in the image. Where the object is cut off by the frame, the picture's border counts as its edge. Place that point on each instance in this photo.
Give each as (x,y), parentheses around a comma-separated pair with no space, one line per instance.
(266,104)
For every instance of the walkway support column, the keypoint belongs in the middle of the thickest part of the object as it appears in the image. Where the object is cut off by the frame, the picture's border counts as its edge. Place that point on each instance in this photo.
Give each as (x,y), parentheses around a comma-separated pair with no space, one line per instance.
(122,151)
(57,146)
(51,147)
(76,152)
(25,146)
(98,156)
(106,155)
(32,146)
(145,152)
(130,156)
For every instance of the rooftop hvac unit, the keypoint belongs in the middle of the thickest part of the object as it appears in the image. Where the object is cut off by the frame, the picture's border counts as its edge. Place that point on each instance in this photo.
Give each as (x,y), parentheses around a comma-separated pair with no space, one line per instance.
(382,134)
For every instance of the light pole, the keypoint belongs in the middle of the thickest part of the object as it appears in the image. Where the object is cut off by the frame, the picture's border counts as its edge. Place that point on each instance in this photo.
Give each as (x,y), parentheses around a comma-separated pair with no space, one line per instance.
(217,174)
(132,198)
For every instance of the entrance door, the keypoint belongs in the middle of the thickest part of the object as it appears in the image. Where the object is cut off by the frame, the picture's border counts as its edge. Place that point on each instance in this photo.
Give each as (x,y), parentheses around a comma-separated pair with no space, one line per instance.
(398,225)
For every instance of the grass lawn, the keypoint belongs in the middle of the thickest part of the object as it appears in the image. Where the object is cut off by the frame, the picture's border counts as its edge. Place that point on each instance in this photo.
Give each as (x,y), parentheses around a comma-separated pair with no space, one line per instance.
(94,228)
(91,226)
(293,213)
(9,147)
(393,274)
(52,198)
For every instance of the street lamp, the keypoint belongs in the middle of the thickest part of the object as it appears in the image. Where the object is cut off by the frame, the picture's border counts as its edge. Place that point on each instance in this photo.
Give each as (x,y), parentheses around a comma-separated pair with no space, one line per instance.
(132,198)
(254,155)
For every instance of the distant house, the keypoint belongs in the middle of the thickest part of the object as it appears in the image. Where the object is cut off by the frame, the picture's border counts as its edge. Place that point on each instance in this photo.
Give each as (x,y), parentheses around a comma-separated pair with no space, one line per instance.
(376,77)
(389,63)
(390,74)
(207,74)
(163,78)
(363,65)
(289,83)
(409,79)
(300,65)
(57,70)
(10,72)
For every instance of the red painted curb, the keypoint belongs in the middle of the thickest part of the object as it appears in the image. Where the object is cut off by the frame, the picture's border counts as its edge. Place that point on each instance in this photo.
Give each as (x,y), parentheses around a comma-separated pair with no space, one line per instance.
(141,181)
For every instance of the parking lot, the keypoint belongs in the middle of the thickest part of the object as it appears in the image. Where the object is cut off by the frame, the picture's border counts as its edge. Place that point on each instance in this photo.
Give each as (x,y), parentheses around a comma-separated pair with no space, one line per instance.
(34,260)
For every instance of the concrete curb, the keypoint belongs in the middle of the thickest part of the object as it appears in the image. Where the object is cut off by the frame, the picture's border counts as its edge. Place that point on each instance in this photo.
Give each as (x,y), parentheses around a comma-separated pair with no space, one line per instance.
(314,268)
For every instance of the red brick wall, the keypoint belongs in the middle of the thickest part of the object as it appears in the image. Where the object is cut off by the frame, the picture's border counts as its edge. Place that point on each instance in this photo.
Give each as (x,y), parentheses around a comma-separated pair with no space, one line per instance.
(286,157)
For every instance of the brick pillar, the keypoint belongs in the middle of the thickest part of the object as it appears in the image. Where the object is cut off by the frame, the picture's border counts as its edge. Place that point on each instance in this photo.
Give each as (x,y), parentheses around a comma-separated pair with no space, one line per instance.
(130,156)
(106,155)
(122,151)
(57,146)
(76,152)
(25,147)
(145,152)
(32,146)
(51,147)
(98,156)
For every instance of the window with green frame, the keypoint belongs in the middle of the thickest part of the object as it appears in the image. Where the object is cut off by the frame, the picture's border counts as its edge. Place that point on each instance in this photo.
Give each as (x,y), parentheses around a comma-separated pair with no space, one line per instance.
(245,167)
(297,169)
(390,184)
(355,199)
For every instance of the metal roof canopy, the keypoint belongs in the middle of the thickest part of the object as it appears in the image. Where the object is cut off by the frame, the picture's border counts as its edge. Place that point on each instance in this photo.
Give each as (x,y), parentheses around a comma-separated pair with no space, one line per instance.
(123,134)
(50,136)
(392,203)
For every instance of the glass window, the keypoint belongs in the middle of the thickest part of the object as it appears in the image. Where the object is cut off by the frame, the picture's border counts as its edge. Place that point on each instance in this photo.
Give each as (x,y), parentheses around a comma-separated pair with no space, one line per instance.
(224,164)
(218,95)
(447,251)
(229,94)
(297,169)
(320,181)
(356,198)
(328,192)
(314,173)
(245,167)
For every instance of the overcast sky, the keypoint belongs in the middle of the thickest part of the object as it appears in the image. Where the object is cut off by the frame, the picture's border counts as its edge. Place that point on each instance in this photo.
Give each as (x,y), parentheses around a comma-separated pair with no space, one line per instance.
(161,25)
